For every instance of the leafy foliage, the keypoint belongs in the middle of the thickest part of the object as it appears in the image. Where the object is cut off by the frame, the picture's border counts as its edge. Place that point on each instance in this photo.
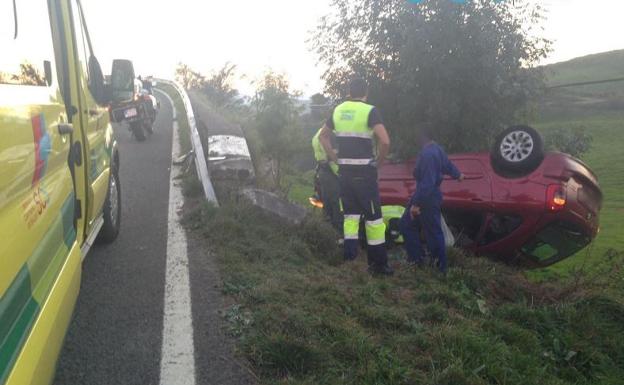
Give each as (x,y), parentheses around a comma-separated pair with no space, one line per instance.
(28,75)
(188,78)
(574,141)
(218,86)
(466,68)
(276,123)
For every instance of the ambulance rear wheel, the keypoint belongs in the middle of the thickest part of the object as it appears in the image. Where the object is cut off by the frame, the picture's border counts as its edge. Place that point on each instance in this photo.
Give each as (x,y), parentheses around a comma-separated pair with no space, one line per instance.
(112,210)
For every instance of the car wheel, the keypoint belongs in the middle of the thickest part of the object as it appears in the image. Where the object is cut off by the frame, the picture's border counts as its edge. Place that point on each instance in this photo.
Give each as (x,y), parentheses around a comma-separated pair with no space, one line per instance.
(517,151)
(112,211)
(137,130)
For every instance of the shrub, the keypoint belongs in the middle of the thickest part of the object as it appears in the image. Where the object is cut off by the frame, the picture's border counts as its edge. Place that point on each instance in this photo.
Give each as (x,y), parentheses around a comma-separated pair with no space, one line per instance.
(572,140)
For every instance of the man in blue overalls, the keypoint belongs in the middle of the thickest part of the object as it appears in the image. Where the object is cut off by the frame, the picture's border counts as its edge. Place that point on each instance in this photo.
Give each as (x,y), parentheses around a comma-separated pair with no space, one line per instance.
(355,124)
(423,211)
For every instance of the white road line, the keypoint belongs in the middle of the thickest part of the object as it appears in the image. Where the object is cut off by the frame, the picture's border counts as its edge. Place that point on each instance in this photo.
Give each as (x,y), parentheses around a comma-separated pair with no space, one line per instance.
(177,363)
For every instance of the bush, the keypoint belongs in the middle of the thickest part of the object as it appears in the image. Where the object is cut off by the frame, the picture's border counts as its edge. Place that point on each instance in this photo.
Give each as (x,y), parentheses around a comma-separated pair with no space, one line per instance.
(573,140)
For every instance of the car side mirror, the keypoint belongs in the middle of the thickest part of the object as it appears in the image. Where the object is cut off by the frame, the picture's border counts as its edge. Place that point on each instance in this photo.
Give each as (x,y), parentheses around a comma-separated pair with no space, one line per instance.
(122,81)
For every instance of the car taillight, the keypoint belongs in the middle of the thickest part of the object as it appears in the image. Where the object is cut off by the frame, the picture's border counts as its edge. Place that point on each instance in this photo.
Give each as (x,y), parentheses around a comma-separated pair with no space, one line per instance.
(555,197)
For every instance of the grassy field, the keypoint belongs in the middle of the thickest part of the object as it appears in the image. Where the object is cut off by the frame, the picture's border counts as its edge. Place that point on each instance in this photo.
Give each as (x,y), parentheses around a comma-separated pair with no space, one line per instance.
(602,66)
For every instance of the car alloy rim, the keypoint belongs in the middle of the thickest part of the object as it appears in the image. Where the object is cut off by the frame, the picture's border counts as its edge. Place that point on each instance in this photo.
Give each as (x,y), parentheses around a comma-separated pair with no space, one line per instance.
(517,146)
(113,195)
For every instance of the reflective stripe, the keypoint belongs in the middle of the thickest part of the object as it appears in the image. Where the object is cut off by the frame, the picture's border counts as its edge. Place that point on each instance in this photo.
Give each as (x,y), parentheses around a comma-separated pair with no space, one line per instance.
(376,232)
(351,226)
(362,135)
(390,212)
(376,222)
(351,237)
(319,152)
(355,162)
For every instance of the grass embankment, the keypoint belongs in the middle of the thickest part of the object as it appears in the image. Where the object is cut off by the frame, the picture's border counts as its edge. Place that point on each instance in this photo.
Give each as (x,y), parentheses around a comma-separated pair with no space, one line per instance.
(302,316)
(300,187)
(182,119)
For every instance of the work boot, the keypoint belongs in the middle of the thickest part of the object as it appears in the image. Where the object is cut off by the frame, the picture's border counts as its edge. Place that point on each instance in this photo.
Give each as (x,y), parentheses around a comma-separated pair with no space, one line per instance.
(381,271)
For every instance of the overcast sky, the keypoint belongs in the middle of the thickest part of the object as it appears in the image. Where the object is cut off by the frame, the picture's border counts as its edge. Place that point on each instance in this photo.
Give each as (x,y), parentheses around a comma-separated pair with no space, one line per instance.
(257,35)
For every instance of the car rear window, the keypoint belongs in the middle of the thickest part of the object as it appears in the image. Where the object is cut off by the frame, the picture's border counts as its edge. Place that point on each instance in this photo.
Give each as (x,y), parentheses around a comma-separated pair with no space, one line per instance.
(555,242)
(25,43)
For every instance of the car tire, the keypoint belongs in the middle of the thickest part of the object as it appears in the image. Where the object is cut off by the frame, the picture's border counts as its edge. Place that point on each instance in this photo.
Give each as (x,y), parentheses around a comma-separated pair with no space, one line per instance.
(517,151)
(111,211)
(137,130)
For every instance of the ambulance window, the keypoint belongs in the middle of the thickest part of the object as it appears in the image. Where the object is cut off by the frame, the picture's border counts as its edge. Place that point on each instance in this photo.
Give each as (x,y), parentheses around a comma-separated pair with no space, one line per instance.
(26,43)
(81,39)
(88,62)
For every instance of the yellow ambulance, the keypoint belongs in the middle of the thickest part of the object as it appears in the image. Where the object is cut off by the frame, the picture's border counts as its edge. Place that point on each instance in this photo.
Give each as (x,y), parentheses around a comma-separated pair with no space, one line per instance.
(59,184)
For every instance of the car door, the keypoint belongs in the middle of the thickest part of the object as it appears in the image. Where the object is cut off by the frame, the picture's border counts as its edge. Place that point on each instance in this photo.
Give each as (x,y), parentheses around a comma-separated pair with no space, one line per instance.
(37,197)
(93,117)
(475,191)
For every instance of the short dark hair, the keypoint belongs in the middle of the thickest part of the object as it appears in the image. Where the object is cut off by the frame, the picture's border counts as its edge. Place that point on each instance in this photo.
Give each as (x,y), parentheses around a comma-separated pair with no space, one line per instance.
(358,88)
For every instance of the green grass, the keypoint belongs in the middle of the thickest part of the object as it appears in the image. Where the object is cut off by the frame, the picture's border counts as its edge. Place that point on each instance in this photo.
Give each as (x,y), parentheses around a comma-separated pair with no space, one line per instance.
(300,187)
(302,316)
(185,132)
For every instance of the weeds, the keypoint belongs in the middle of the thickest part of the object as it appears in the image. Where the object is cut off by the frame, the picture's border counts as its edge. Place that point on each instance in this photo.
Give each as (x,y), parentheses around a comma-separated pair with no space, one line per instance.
(302,316)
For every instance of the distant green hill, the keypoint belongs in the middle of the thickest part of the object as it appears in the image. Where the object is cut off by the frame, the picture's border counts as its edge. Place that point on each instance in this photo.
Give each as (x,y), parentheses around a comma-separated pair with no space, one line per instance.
(601,66)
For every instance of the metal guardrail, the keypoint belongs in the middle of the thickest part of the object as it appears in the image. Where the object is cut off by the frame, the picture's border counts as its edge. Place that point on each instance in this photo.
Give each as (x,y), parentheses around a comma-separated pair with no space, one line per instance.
(198,149)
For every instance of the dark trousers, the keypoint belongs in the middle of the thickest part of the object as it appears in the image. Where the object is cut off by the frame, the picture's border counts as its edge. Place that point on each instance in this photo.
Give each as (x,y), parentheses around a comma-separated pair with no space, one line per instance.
(430,222)
(359,193)
(330,195)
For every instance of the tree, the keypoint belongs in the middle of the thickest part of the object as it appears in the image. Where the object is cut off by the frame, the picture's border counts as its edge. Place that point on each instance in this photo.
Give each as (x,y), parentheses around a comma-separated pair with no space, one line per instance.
(466,68)
(276,116)
(188,78)
(219,87)
(320,105)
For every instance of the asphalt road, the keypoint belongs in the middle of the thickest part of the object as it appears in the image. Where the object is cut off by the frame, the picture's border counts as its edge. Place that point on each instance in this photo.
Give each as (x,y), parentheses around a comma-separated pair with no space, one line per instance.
(116,334)
(116,337)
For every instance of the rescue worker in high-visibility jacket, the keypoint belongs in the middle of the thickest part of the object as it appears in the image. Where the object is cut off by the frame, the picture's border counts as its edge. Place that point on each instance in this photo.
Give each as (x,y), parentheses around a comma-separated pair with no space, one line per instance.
(355,123)
(423,211)
(327,172)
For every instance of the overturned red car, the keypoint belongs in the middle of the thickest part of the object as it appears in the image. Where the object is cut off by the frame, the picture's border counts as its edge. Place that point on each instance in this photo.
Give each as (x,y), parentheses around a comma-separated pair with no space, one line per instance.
(516,203)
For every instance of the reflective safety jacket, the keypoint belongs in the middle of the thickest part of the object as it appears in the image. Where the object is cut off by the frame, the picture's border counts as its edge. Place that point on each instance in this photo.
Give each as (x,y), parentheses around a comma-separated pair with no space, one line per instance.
(319,152)
(353,135)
